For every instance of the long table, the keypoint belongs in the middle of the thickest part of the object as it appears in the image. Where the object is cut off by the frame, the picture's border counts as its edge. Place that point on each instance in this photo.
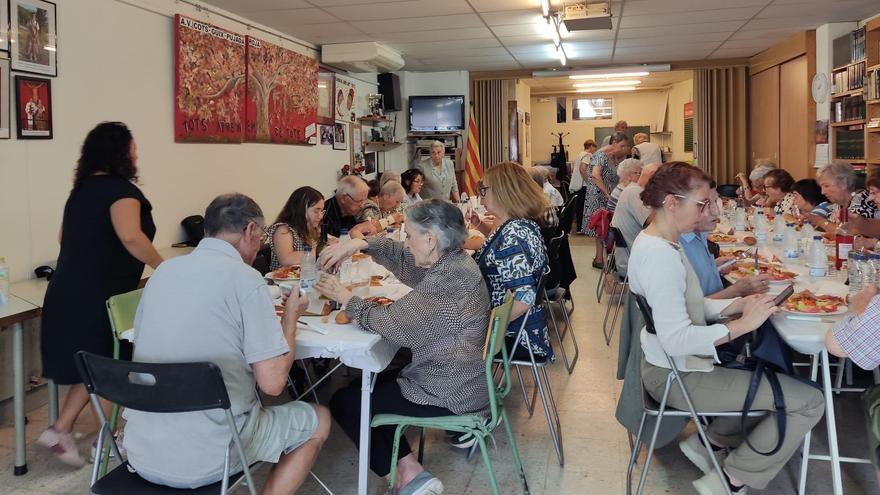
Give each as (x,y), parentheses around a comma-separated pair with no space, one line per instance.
(808,337)
(26,303)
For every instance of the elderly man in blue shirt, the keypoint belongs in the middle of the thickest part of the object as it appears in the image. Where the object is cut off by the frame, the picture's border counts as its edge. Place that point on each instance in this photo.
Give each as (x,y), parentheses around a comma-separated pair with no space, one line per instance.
(705,265)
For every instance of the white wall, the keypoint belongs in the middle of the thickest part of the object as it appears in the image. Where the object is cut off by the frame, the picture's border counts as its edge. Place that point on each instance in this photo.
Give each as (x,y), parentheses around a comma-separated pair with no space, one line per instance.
(116,62)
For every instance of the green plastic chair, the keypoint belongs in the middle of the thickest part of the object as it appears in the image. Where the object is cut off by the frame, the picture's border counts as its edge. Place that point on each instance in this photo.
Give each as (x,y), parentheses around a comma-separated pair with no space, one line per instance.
(471,423)
(121,309)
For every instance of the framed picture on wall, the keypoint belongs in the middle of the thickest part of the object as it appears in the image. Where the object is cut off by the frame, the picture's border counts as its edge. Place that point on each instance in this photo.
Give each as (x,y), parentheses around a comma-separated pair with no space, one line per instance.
(33,36)
(33,107)
(4,23)
(370,165)
(326,101)
(339,136)
(357,152)
(326,134)
(5,81)
(346,99)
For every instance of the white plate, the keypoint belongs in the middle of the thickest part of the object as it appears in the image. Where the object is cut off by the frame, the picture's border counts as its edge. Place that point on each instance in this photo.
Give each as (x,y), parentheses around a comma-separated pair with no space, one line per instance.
(840,310)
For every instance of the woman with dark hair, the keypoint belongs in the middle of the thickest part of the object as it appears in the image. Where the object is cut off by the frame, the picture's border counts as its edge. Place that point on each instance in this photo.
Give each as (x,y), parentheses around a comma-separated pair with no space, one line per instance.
(602,180)
(807,198)
(777,186)
(298,224)
(106,238)
(412,181)
(679,195)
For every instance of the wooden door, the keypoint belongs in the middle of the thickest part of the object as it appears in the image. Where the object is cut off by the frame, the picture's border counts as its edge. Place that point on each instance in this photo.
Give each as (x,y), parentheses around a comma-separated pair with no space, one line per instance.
(795,129)
(764,115)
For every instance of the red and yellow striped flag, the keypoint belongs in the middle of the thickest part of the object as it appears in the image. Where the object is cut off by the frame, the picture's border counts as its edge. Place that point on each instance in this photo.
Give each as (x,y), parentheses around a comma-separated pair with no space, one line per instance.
(473,171)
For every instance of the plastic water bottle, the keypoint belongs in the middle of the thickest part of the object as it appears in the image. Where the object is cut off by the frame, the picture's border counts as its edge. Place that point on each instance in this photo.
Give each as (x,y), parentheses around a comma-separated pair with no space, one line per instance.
(818,260)
(778,228)
(807,233)
(4,281)
(790,243)
(739,218)
(872,265)
(308,270)
(760,226)
(856,270)
(345,268)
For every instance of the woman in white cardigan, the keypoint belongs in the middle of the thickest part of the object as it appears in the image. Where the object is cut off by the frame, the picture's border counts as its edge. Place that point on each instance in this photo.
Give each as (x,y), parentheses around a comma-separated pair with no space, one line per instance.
(658,269)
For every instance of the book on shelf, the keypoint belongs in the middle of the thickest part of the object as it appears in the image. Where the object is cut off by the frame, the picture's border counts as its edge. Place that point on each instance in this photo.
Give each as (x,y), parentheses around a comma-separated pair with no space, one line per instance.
(848,79)
(872,83)
(848,108)
(858,42)
(875,122)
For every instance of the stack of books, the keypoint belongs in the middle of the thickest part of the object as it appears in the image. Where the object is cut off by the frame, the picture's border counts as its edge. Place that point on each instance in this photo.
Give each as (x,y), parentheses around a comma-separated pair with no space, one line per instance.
(848,108)
(848,79)
(872,83)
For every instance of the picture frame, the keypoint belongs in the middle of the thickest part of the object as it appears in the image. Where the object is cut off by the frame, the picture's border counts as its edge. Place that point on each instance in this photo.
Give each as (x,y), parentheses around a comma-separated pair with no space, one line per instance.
(345,100)
(326,134)
(33,29)
(5,91)
(340,136)
(356,140)
(371,164)
(326,101)
(4,25)
(33,107)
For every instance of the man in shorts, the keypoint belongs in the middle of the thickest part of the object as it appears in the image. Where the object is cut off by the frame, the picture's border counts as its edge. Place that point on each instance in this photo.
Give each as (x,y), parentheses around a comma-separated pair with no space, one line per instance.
(211,305)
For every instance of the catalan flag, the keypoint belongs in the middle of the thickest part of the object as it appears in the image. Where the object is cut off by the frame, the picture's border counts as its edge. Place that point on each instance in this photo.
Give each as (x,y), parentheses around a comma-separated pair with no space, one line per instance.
(473,171)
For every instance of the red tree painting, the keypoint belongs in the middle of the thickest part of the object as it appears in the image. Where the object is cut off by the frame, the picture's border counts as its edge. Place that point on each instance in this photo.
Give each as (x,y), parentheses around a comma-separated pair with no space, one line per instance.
(282,94)
(210,83)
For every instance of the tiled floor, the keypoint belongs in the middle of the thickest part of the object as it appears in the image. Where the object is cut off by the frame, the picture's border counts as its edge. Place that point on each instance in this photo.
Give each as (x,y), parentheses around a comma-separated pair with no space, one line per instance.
(596,449)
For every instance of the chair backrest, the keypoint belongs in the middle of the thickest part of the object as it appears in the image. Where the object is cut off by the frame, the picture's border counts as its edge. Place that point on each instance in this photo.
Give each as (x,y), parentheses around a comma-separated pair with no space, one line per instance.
(542,286)
(727,190)
(498,322)
(645,309)
(566,216)
(121,309)
(154,387)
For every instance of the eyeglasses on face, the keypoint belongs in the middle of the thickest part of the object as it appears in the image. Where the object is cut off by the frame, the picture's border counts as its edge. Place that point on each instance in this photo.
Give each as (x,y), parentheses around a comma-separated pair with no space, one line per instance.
(703,204)
(264,237)
(355,200)
(482,190)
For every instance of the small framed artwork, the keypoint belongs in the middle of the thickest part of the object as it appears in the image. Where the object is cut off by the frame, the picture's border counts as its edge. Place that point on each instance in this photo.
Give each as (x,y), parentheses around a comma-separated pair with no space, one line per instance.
(357,152)
(346,100)
(326,107)
(33,107)
(33,36)
(339,136)
(326,134)
(4,23)
(370,164)
(5,81)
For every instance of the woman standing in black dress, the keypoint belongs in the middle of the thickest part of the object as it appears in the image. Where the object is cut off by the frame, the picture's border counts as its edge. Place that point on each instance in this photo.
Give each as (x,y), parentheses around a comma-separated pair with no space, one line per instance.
(106,238)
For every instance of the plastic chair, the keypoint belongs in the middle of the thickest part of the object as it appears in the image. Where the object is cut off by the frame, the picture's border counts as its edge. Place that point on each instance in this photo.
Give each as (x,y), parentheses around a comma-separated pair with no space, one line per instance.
(619,289)
(471,423)
(727,190)
(157,388)
(650,407)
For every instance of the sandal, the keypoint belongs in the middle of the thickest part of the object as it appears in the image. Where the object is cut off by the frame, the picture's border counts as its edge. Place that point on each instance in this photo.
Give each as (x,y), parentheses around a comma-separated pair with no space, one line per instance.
(597,264)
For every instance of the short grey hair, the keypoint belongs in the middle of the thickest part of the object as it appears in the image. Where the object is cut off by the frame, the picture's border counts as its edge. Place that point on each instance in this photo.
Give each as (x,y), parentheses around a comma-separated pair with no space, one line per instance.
(840,172)
(231,213)
(628,166)
(387,176)
(443,219)
(760,172)
(349,184)
(438,144)
(618,137)
(539,174)
(392,188)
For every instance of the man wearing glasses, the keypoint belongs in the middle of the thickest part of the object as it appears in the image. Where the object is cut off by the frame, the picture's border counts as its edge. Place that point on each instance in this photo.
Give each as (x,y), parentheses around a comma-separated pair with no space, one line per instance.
(342,209)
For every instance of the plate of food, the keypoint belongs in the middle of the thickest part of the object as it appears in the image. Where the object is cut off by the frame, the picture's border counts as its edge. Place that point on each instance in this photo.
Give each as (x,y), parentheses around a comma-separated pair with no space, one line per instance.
(777,273)
(284,274)
(806,302)
(749,254)
(718,238)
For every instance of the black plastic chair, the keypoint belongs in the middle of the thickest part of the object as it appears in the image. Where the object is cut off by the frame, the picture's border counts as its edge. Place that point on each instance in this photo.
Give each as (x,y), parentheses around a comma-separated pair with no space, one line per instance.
(157,388)
(727,190)
(554,294)
(619,288)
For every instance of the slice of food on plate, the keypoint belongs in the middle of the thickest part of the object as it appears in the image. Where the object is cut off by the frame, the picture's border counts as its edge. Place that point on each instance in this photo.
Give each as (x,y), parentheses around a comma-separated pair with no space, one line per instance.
(807,302)
(777,273)
(284,273)
(719,238)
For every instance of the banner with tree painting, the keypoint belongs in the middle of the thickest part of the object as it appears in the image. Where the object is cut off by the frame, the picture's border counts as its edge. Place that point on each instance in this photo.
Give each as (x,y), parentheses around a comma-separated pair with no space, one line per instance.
(282,94)
(209,83)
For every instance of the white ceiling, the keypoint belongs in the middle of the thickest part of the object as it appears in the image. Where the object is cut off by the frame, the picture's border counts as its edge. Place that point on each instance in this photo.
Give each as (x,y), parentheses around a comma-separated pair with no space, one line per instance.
(560,85)
(436,35)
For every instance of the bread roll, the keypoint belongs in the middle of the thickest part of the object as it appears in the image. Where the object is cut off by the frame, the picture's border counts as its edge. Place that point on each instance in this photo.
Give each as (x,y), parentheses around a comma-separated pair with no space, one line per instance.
(342,318)
(750,241)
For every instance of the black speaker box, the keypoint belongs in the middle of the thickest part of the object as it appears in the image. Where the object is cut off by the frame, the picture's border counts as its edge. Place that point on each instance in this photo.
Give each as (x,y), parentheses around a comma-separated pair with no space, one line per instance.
(389,88)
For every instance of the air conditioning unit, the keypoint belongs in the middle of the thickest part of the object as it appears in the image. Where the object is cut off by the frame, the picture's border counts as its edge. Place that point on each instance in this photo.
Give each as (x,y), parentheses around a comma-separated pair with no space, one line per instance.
(587,16)
(368,56)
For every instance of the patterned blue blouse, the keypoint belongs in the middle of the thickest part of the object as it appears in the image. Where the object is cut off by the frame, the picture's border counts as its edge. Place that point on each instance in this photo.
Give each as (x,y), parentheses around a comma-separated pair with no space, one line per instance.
(514,260)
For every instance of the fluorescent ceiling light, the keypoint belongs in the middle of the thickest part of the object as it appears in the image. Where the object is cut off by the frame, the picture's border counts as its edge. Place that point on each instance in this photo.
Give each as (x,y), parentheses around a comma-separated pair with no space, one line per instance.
(609,76)
(606,89)
(545,7)
(600,84)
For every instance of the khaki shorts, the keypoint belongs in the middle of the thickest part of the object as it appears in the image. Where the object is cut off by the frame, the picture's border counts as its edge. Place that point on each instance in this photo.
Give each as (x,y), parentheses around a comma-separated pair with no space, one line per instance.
(272,431)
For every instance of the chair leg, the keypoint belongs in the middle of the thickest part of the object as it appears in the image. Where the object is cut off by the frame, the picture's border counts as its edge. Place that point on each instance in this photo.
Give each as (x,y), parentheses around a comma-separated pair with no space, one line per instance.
(570,330)
(805,457)
(513,447)
(550,412)
(421,444)
(309,381)
(394,451)
(635,448)
(609,332)
(841,369)
(530,405)
(623,289)
(548,308)
(485,453)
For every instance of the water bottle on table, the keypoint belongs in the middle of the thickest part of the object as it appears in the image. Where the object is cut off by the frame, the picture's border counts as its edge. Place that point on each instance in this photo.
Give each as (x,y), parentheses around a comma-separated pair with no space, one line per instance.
(790,242)
(308,270)
(345,267)
(778,228)
(872,269)
(856,270)
(760,226)
(818,260)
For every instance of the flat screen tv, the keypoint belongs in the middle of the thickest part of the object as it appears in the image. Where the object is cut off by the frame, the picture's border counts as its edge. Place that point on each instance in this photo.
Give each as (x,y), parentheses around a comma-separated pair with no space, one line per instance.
(436,113)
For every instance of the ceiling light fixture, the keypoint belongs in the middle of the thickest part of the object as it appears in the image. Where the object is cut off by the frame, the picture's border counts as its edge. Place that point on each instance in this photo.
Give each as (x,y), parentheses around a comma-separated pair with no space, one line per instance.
(554,22)
(545,8)
(606,89)
(609,76)
(610,82)
(629,71)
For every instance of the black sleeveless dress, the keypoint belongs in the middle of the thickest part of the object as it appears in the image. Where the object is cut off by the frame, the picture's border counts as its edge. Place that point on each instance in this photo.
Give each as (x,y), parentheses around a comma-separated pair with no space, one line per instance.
(92,266)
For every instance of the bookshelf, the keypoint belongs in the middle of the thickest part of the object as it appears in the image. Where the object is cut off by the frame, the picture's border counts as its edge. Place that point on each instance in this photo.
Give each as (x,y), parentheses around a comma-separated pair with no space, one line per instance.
(872,96)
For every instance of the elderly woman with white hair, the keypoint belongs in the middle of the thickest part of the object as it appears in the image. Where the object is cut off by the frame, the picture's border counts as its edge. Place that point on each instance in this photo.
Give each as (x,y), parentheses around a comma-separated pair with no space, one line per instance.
(443,320)
(752,189)
(629,171)
(384,209)
(439,174)
(840,186)
(541,175)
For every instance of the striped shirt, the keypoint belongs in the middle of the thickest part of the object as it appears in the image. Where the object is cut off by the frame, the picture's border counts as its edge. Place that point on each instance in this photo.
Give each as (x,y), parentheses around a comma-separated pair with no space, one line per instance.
(859,336)
(612,200)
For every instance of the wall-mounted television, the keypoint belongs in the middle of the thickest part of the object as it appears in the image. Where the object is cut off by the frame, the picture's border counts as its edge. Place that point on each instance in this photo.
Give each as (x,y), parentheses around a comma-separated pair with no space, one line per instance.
(436,113)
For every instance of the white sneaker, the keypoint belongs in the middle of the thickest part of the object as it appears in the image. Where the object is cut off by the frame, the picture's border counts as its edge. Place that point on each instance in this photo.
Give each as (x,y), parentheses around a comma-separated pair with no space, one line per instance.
(62,446)
(696,452)
(712,485)
(423,484)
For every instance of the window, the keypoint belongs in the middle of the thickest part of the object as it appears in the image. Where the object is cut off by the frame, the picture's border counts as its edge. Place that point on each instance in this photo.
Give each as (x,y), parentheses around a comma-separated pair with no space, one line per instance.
(592,109)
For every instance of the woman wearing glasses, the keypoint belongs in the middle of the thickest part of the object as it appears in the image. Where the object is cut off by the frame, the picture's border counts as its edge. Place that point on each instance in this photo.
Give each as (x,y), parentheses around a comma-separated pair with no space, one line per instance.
(679,195)
(298,224)
(412,181)
(755,194)
(777,187)
(514,258)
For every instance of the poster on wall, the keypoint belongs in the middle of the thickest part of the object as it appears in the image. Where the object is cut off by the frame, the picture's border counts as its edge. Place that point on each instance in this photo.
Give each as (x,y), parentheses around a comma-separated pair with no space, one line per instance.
(4,23)
(357,152)
(339,131)
(5,81)
(346,99)
(326,93)
(33,107)
(33,40)
(282,96)
(209,90)
(326,134)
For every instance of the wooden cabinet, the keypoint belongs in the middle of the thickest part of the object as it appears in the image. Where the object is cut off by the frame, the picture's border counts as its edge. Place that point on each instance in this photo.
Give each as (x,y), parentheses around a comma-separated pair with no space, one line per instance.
(764,114)
(795,129)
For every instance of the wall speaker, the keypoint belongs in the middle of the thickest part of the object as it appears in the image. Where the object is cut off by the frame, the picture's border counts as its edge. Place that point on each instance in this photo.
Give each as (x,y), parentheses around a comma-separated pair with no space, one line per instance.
(389,88)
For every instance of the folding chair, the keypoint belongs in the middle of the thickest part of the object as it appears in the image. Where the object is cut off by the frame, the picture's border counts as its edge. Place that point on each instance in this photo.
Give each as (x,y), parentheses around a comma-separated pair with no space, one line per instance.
(650,407)
(157,388)
(619,288)
(556,296)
